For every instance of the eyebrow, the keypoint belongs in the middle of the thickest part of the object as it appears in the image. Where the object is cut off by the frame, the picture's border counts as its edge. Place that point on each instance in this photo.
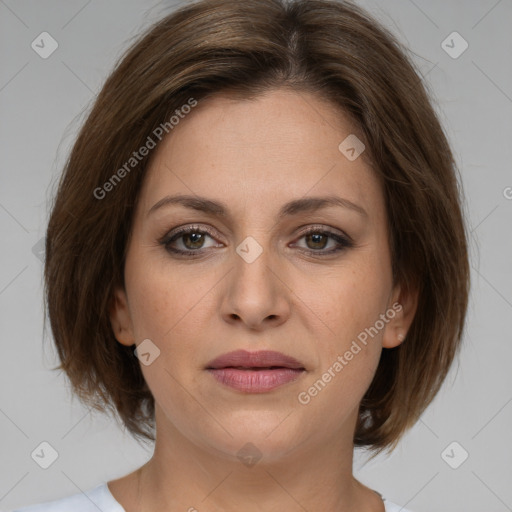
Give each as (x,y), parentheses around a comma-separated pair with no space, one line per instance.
(219,209)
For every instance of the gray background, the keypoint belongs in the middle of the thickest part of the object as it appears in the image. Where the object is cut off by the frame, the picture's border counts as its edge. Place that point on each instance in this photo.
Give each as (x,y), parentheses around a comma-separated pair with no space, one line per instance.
(42,102)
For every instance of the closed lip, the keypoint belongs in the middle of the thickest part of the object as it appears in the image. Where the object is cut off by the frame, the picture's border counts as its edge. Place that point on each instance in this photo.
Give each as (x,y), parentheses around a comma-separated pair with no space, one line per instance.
(260,359)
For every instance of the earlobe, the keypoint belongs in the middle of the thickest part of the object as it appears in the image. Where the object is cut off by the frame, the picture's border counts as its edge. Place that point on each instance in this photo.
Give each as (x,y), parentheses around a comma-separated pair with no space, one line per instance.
(120,318)
(405,302)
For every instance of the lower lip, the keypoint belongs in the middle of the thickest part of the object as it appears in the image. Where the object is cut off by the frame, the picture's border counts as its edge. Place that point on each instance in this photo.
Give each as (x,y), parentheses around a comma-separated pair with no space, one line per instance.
(255,381)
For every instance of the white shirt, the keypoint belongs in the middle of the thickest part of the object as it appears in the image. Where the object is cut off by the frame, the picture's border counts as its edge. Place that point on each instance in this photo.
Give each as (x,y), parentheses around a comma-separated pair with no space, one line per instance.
(100,498)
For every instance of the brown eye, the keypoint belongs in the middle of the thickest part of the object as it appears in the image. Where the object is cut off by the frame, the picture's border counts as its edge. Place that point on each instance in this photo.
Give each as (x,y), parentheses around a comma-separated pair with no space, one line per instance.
(317,240)
(196,240)
(190,241)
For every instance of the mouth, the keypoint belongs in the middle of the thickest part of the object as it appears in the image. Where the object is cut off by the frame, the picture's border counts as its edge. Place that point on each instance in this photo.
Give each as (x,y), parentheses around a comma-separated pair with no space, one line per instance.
(264,359)
(255,368)
(255,372)
(255,380)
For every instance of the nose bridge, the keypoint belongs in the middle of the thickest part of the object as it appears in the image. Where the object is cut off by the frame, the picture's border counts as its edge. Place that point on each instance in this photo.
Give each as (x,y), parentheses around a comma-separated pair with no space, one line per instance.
(251,273)
(255,291)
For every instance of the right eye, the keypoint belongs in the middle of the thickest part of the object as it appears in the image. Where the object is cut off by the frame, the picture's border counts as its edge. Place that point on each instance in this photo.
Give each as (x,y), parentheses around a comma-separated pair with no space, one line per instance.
(191,238)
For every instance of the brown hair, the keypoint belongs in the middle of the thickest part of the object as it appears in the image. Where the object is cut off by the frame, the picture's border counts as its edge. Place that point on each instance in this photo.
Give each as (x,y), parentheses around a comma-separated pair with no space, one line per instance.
(333,49)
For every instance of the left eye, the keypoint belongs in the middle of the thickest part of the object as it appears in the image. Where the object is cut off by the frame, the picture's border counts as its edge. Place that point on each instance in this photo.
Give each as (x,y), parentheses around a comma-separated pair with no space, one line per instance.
(319,238)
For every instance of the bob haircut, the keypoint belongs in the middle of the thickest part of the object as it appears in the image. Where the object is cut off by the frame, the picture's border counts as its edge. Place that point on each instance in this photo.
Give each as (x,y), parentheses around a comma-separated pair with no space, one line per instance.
(339,53)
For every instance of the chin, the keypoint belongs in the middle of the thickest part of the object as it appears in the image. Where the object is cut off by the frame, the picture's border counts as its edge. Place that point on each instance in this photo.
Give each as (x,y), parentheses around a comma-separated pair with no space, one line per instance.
(257,435)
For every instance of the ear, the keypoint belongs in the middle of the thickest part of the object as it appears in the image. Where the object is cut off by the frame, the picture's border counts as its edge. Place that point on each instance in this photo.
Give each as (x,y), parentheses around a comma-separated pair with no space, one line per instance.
(120,318)
(404,301)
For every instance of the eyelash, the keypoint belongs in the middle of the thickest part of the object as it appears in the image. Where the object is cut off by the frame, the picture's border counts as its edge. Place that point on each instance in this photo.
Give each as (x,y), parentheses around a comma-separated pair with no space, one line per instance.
(342,241)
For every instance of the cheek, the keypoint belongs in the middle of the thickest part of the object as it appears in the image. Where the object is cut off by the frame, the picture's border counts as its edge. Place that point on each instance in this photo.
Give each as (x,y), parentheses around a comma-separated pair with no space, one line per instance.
(348,355)
(166,305)
(173,307)
(352,305)
(347,303)
(163,297)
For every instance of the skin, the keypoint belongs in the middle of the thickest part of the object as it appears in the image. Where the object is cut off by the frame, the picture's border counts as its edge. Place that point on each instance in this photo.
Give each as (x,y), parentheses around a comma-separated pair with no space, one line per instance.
(254,156)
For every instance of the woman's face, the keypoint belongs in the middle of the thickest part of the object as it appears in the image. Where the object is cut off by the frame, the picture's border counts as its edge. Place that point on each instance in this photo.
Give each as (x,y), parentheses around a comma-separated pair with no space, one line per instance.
(252,278)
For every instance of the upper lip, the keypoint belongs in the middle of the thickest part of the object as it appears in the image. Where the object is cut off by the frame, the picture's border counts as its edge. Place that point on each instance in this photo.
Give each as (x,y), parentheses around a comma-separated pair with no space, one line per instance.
(261,359)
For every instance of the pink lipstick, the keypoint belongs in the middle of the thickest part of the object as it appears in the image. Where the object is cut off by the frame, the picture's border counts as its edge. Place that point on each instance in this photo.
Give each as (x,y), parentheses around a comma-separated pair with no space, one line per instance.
(255,372)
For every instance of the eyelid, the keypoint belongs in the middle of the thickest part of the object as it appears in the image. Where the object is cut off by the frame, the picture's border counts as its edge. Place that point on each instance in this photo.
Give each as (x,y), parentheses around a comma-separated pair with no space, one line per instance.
(325,229)
(341,239)
(168,235)
(213,232)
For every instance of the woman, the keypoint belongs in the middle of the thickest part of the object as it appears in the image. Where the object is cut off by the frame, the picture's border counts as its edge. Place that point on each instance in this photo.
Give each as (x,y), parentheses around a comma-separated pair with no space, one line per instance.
(257,258)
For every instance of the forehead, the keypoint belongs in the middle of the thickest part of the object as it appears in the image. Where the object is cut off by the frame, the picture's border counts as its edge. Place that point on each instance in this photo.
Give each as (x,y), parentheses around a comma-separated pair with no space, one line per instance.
(279,146)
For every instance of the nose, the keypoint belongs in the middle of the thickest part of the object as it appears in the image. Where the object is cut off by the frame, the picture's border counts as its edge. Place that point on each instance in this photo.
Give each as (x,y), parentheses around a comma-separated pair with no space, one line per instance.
(257,295)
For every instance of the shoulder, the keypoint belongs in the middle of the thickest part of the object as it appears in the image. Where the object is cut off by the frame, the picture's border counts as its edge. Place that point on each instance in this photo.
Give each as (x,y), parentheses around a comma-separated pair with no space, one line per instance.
(91,500)
(393,507)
